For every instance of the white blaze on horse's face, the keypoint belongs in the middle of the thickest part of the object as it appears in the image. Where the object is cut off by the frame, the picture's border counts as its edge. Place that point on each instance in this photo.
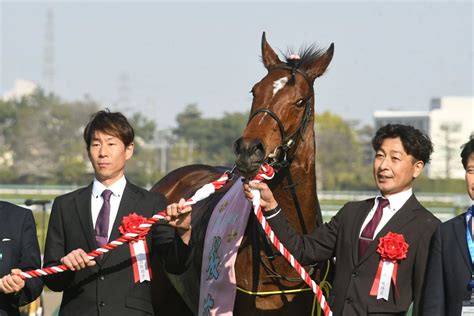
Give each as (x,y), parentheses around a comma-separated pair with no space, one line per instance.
(279,84)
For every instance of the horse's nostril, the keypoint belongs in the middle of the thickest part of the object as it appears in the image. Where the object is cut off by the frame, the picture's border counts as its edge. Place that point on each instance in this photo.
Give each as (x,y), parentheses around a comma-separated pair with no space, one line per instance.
(258,148)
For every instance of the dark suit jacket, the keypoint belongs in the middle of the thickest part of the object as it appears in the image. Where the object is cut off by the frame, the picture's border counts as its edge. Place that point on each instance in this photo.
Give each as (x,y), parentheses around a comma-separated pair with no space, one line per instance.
(107,288)
(353,276)
(18,249)
(449,270)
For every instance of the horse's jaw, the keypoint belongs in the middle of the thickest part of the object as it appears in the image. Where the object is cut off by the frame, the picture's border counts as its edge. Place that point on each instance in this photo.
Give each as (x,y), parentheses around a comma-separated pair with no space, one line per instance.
(249,156)
(248,169)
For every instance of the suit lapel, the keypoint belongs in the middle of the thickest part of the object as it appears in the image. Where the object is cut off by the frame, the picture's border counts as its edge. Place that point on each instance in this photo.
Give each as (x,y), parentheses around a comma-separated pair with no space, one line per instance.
(459,227)
(400,219)
(83,209)
(360,215)
(127,204)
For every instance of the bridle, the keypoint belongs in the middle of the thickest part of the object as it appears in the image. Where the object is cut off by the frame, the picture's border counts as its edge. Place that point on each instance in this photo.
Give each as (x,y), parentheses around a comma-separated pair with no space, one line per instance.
(278,158)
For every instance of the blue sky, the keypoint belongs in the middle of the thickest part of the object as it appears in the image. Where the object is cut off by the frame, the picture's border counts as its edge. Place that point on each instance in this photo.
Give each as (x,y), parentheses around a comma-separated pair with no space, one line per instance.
(388,55)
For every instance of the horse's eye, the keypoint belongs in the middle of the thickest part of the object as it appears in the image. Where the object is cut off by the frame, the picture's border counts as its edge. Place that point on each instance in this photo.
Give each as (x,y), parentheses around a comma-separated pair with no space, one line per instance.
(300,103)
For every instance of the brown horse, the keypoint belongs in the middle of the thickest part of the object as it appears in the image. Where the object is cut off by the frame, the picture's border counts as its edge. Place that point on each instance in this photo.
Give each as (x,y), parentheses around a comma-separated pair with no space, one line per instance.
(279,132)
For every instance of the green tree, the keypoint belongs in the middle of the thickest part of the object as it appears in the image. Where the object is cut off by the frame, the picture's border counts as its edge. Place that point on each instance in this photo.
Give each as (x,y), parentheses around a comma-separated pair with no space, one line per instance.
(7,121)
(43,137)
(339,156)
(142,169)
(212,138)
(144,127)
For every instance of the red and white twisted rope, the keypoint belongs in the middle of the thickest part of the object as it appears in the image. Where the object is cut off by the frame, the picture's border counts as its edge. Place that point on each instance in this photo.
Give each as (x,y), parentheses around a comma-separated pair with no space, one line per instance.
(267,174)
(141,230)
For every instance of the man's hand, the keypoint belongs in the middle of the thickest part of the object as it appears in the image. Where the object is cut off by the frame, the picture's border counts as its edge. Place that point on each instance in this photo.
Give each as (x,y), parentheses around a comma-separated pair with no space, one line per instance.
(180,217)
(267,201)
(77,260)
(12,283)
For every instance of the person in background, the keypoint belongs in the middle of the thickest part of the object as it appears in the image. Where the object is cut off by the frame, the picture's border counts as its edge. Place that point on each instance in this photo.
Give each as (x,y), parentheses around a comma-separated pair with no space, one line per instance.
(19,251)
(450,267)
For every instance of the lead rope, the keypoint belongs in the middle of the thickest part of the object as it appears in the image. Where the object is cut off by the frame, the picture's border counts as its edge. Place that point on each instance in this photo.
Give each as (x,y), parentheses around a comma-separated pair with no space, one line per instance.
(267,174)
(140,231)
(205,191)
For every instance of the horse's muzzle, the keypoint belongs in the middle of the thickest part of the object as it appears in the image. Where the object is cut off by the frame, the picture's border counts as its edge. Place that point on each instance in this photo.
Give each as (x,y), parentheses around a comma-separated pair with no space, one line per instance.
(250,155)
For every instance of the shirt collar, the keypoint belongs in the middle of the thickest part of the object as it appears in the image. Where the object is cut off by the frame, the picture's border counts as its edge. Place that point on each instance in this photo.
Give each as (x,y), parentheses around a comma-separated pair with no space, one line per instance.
(397,200)
(117,187)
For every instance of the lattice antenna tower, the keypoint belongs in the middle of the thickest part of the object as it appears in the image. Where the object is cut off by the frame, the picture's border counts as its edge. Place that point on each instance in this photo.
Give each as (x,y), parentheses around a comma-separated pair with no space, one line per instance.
(124,90)
(48,57)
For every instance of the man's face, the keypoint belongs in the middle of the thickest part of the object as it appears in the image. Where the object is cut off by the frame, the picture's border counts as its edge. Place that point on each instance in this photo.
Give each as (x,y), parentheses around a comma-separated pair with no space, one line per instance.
(108,156)
(470,176)
(394,169)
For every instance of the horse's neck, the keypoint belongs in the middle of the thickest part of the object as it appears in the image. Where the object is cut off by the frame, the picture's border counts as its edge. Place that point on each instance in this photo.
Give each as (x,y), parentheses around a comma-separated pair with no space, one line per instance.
(303,174)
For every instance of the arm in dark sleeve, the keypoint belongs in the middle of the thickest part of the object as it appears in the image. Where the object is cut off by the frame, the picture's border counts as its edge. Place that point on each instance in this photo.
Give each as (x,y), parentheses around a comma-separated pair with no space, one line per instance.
(168,246)
(29,259)
(310,248)
(432,297)
(55,249)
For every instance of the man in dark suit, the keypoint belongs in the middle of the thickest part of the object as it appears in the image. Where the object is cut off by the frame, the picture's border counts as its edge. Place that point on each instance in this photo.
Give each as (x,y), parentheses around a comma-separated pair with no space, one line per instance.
(89,217)
(450,264)
(354,234)
(19,251)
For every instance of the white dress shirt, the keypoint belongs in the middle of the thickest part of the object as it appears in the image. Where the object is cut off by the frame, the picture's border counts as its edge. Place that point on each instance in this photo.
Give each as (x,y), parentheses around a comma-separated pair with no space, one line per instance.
(96,201)
(396,202)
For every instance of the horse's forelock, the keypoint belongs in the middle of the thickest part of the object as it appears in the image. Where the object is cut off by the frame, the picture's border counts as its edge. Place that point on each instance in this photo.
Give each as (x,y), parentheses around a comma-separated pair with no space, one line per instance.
(308,55)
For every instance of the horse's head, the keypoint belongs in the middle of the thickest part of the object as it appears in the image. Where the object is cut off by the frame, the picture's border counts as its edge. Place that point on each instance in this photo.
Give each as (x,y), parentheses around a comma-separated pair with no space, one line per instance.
(282,106)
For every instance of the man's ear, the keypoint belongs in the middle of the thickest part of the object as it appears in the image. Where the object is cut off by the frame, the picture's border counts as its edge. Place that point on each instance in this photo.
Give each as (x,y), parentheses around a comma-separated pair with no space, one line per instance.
(129,151)
(418,168)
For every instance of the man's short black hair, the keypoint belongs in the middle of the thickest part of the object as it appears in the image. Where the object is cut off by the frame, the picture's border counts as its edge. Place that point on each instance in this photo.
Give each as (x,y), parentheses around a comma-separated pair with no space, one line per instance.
(112,123)
(415,142)
(467,150)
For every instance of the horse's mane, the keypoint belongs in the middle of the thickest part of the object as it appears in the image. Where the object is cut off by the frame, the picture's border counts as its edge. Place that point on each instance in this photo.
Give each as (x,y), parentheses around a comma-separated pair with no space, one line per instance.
(308,54)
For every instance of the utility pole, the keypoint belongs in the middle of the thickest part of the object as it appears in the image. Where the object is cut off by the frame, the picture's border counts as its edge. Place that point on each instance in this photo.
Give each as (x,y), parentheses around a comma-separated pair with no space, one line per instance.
(48,57)
(124,90)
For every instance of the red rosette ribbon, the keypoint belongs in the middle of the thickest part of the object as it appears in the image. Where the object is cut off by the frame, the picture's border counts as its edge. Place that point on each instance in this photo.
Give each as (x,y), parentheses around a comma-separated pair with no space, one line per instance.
(392,249)
(138,247)
(131,223)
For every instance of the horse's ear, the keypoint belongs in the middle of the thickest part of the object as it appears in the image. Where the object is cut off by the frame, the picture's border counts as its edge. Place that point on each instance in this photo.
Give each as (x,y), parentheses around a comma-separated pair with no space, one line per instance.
(319,65)
(269,57)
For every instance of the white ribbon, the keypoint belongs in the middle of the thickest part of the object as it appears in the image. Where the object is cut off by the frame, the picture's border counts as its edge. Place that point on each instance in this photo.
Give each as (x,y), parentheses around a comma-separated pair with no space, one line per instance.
(142,264)
(385,280)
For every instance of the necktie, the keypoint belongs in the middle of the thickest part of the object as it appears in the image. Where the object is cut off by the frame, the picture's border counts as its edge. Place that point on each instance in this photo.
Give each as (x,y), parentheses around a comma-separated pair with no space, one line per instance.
(470,224)
(368,233)
(102,223)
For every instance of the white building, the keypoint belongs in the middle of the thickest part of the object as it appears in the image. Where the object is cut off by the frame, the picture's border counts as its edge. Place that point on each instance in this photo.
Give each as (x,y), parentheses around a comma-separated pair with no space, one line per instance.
(449,123)
(22,88)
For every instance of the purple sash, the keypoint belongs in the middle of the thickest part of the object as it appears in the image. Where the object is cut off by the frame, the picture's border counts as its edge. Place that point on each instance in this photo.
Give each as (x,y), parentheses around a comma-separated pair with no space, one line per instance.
(223,237)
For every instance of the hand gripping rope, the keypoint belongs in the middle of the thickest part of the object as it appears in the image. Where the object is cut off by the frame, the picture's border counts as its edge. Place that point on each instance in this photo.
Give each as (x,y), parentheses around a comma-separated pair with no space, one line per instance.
(141,230)
(265,173)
